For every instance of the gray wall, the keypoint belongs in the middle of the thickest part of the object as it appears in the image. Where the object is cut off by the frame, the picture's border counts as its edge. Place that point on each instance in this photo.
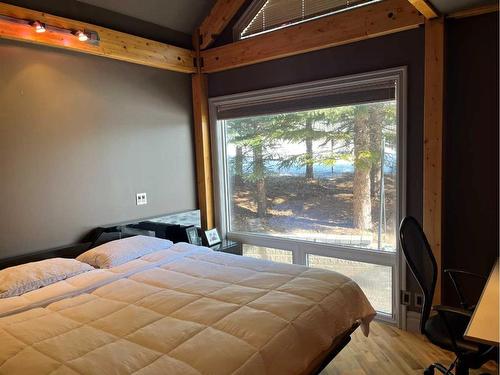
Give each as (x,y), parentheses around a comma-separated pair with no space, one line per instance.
(79,137)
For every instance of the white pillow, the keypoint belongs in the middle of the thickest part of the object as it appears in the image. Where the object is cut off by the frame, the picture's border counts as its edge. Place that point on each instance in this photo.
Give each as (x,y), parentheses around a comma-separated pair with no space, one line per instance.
(21,279)
(117,252)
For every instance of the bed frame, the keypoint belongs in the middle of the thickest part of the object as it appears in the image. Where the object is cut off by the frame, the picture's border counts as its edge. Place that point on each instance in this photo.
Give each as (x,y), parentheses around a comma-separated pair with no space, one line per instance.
(72,251)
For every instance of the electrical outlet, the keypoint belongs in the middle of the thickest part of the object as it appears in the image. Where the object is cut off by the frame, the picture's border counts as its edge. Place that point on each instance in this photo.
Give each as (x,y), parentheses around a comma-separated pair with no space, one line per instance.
(141,199)
(405,298)
(419,300)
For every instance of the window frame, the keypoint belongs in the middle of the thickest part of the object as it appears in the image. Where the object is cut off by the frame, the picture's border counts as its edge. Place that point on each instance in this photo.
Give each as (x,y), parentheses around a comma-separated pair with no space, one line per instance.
(300,248)
(255,7)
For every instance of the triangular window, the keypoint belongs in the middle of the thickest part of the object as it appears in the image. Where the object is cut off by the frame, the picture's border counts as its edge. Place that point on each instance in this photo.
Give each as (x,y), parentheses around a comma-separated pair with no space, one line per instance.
(267,15)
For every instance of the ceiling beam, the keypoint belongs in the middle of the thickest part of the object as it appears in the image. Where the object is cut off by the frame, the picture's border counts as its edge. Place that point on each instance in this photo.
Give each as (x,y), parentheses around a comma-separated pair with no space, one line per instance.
(112,44)
(425,7)
(216,21)
(358,24)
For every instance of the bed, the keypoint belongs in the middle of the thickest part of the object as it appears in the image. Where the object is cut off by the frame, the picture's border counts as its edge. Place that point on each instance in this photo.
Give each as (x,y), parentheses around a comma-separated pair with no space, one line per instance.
(183,309)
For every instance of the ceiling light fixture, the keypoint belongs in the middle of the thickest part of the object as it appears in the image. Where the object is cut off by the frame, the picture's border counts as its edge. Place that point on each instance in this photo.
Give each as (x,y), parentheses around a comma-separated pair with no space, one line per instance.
(81,35)
(87,36)
(39,27)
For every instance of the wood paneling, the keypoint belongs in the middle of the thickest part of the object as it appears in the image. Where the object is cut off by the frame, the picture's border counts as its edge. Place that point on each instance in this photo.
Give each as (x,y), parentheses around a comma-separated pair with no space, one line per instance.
(202,148)
(218,18)
(358,24)
(433,139)
(388,350)
(424,7)
(113,44)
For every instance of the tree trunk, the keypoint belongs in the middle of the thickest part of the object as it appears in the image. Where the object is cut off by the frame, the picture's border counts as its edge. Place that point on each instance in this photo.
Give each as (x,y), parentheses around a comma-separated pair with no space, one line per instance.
(362,166)
(376,152)
(238,167)
(258,165)
(309,151)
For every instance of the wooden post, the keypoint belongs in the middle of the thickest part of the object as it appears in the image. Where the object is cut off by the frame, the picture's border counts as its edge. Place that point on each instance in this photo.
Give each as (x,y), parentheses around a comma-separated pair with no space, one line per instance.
(433,139)
(202,143)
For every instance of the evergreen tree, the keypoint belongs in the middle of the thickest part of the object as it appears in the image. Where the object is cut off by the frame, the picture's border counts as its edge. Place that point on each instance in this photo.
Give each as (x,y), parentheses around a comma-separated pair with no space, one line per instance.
(302,127)
(258,136)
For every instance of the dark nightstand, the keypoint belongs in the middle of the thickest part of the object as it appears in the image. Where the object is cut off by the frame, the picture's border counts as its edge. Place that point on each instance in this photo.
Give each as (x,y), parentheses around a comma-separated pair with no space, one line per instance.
(228,246)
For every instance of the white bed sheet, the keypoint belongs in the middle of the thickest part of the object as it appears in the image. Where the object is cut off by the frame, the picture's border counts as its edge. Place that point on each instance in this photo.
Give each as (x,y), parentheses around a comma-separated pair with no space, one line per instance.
(184,310)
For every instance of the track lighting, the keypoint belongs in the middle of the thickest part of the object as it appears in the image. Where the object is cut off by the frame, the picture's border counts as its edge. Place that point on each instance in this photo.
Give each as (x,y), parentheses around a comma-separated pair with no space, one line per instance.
(39,27)
(86,36)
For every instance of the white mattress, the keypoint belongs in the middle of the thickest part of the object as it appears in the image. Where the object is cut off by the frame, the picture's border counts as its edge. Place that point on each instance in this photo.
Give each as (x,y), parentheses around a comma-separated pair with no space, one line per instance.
(185,310)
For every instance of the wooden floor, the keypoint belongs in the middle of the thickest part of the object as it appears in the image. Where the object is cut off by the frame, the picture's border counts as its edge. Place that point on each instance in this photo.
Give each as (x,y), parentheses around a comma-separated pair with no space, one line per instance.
(389,350)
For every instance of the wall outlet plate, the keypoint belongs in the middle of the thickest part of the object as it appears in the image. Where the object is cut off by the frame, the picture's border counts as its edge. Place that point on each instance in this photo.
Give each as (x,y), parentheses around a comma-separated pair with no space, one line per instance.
(141,199)
(405,298)
(419,300)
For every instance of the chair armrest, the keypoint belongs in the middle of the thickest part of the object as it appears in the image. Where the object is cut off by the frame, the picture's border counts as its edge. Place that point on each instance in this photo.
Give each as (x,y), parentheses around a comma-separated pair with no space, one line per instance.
(453,273)
(449,315)
(453,310)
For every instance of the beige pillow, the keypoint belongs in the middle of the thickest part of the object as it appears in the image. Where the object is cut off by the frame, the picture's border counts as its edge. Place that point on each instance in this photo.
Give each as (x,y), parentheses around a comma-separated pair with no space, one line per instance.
(114,253)
(21,279)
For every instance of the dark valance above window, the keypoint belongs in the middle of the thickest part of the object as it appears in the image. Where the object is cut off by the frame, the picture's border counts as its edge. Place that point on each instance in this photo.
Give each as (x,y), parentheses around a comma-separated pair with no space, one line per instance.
(377,92)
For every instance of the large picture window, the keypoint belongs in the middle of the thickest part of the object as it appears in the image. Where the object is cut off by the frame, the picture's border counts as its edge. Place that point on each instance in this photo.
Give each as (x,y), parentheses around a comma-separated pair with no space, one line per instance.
(314,171)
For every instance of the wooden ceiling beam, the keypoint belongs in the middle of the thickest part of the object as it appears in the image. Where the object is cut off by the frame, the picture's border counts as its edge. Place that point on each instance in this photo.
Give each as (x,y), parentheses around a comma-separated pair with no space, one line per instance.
(426,8)
(358,24)
(216,21)
(112,44)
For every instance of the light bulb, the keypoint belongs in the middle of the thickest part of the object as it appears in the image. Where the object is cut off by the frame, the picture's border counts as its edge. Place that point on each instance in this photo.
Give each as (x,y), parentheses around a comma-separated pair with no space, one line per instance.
(82,37)
(39,27)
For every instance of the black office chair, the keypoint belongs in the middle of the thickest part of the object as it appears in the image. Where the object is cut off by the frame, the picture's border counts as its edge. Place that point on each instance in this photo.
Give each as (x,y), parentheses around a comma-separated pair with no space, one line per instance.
(446,328)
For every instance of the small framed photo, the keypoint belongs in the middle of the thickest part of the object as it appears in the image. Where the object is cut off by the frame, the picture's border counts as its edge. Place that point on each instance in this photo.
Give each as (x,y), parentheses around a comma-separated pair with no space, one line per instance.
(192,235)
(212,237)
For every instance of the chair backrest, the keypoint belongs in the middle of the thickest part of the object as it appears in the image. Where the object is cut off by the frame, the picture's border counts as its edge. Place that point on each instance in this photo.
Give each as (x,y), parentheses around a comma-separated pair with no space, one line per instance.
(421,261)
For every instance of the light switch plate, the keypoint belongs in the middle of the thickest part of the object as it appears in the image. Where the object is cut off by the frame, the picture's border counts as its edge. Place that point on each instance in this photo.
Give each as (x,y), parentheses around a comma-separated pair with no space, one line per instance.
(141,199)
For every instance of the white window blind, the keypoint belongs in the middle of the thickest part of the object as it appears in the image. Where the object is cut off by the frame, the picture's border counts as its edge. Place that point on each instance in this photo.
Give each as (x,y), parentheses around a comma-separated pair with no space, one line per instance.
(280,13)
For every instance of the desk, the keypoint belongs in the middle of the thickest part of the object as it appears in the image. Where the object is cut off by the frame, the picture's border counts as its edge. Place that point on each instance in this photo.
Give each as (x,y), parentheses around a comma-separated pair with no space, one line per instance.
(483,326)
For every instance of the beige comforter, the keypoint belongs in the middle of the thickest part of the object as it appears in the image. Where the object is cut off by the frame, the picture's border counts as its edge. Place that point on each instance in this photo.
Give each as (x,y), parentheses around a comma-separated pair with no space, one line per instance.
(185,310)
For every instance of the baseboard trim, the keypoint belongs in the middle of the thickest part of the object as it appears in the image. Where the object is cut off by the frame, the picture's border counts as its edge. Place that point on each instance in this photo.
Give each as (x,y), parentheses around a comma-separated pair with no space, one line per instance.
(413,321)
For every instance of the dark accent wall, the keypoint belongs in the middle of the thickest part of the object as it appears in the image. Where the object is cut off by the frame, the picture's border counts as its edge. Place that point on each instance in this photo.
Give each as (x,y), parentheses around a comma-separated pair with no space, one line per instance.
(470,228)
(102,17)
(80,135)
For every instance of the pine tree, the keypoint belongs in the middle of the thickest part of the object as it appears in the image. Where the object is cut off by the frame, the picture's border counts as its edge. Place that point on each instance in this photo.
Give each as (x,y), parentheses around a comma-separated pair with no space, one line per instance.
(302,127)
(361,198)
(255,136)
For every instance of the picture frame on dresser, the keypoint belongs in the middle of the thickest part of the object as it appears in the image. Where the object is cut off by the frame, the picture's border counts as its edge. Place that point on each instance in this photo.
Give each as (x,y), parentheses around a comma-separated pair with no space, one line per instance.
(212,237)
(192,236)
